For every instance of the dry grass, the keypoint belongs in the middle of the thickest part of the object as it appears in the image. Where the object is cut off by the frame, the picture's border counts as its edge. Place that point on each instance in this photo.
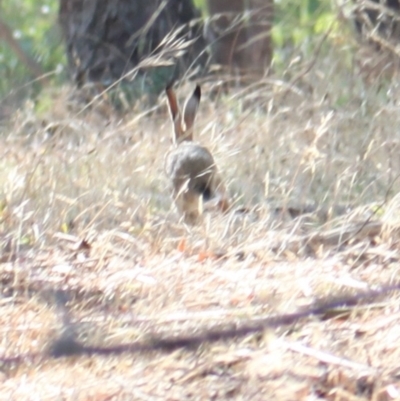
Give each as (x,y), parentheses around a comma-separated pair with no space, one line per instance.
(85,208)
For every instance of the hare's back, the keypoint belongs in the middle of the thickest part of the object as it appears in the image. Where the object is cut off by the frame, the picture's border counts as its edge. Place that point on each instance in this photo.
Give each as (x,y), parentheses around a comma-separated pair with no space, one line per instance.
(191,161)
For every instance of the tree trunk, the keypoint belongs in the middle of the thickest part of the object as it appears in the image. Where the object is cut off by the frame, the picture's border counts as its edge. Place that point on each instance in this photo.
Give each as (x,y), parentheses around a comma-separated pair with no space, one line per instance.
(240,32)
(107,38)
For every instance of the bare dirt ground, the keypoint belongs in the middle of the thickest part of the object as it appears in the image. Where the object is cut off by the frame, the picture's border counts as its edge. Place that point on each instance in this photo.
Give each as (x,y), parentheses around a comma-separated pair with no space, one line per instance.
(91,245)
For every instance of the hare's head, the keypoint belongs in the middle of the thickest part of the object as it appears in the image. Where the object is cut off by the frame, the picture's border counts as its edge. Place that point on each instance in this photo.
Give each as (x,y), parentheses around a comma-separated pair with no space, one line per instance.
(190,167)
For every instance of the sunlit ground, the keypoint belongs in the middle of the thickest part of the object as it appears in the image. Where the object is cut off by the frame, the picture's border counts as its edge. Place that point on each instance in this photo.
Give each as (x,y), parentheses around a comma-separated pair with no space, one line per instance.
(85,207)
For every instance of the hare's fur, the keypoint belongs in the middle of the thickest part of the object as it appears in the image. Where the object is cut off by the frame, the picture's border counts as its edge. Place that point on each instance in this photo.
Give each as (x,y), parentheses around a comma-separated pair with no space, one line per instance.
(190,167)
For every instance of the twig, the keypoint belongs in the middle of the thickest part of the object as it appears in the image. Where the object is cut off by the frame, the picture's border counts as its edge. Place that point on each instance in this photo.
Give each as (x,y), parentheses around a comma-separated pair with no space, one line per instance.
(327,357)
(7,37)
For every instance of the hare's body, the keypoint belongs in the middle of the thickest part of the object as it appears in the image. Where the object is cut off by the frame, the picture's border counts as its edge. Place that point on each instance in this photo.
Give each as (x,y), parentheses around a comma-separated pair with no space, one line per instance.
(189,166)
(191,170)
(192,165)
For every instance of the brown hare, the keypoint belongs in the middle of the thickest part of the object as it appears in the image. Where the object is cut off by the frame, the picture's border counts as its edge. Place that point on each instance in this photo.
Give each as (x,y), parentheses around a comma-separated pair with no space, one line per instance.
(190,167)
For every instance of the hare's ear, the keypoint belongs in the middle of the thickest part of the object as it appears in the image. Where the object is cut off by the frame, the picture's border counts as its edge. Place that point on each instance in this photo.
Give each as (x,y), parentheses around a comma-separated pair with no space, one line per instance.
(174,112)
(190,111)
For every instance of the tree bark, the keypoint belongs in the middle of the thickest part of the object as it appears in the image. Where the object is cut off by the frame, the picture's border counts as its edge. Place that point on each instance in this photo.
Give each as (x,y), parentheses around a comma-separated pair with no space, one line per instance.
(107,38)
(240,32)
(378,19)
(378,25)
